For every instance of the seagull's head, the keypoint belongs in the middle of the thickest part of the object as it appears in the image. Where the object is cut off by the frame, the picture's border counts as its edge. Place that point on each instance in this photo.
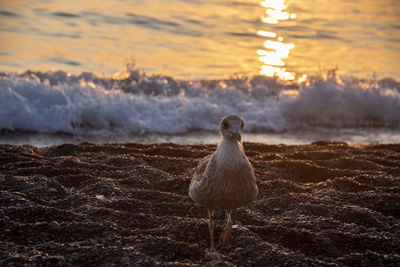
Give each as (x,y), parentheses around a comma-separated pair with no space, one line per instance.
(232,127)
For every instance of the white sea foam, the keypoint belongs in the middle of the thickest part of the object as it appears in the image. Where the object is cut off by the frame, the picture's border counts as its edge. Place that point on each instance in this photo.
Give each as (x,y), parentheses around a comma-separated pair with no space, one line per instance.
(55,102)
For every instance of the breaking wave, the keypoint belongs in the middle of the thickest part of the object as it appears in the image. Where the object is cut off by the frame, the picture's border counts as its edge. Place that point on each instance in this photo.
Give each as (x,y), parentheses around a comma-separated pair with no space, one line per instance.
(58,102)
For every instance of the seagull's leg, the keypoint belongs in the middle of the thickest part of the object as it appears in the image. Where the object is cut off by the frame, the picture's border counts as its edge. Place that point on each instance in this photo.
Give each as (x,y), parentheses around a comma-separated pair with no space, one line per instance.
(211,226)
(226,235)
(212,253)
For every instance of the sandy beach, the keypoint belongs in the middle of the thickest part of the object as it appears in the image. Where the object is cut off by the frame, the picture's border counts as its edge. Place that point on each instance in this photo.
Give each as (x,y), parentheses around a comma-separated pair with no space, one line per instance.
(105,115)
(127,205)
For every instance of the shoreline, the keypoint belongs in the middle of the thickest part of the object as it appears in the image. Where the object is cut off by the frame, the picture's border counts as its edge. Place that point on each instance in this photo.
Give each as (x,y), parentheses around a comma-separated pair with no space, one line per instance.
(364,136)
(326,203)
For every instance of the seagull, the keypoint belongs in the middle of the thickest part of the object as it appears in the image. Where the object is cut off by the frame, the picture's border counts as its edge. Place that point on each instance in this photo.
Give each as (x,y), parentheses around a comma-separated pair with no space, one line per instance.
(224,180)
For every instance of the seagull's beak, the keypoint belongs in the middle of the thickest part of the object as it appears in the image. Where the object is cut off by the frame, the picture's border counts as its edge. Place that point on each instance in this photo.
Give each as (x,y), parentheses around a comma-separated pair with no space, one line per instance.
(237,136)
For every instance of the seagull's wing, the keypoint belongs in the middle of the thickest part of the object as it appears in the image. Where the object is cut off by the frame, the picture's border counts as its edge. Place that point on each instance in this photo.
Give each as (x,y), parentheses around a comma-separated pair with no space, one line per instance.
(201,168)
(199,180)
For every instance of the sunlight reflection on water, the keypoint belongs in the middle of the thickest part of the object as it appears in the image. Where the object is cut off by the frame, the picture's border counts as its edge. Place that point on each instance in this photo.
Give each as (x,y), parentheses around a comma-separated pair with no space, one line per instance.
(276,50)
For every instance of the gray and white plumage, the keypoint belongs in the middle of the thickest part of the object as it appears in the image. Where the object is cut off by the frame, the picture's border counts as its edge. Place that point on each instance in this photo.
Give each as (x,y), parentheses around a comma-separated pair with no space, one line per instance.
(225,179)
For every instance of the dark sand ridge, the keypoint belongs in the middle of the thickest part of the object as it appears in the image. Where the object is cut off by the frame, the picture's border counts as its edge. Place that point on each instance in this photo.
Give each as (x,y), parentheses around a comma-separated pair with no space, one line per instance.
(127,204)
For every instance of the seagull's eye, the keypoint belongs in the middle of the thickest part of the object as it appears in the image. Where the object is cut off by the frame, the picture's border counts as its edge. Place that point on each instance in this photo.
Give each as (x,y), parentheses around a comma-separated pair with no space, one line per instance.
(225,125)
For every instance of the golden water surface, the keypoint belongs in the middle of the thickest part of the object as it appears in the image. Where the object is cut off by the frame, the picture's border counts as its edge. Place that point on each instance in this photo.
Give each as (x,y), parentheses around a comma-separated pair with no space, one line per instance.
(203,39)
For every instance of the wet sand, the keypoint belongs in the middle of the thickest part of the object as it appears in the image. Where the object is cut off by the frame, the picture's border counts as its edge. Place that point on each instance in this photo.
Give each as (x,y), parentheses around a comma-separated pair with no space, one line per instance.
(127,205)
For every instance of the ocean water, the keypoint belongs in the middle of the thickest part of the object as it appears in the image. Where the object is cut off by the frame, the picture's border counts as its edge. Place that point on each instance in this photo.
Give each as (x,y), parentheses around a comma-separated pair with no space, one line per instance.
(202,39)
(167,71)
